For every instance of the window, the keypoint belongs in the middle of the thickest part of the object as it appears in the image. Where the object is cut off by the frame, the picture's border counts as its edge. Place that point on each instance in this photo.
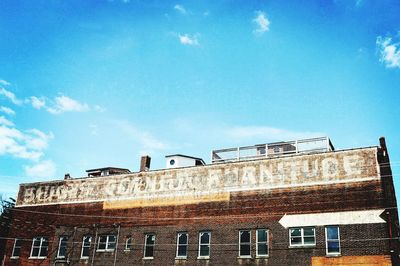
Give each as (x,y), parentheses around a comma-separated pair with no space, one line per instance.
(128,243)
(244,243)
(332,240)
(87,241)
(262,243)
(302,236)
(62,247)
(17,248)
(204,244)
(149,242)
(40,246)
(182,245)
(107,243)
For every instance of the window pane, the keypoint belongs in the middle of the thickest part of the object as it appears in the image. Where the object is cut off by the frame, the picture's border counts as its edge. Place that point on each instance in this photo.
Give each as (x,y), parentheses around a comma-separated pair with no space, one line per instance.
(183,238)
(204,250)
(36,242)
(149,251)
(262,249)
(204,238)
(295,232)
(111,238)
(309,240)
(85,252)
(182,251)
(262,235)
(309,231)
(44,248)
(111,245)
(295,240)
(244,236)
(333,247)
(150,239)
(245,250)
(332,232)
(17,248)
(35,252)
(128,243)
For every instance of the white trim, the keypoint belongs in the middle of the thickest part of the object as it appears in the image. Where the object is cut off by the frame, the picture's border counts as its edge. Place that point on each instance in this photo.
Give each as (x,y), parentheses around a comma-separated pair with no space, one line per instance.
(266,243)
(332,240)
(177,245)
(302,236)
(145,245)
(83,246)
(209,245)
(15,243)
(245,243)
(59,246)
(129,238)
(108,242)
(41,238)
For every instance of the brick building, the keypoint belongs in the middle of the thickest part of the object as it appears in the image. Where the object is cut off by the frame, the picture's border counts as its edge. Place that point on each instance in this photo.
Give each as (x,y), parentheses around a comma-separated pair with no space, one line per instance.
(287,203)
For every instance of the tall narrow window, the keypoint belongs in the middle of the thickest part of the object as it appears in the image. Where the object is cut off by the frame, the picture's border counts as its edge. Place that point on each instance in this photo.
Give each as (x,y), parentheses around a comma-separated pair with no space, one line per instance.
(17,248)
(244,243)
(62,247)
(204,244)
(128,243)
(332,240)
(149,243)
(87,241)
(262,243)
(40,246)
(302,236)
(182,245)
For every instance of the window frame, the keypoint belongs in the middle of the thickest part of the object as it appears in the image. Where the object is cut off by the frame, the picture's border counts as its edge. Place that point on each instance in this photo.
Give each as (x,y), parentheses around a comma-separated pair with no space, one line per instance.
(244,243)
(266,242)
(59,246)
(332,240)
(42,239)
(108,243)
(179,245)
(200,244)
(302,236)
(146,245)
(128,243)
(86,246)
(19,240)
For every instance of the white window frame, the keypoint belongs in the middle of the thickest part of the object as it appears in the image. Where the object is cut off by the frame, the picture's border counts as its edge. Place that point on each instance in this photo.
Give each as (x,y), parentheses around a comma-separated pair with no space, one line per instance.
(178,245)
(108,243)
(128,246)
(245,243)
(200,244)
(146,244)
(302,244)
(86,246)
(15,245)
(266,242)
(42,239)
(332,240)
(59,246)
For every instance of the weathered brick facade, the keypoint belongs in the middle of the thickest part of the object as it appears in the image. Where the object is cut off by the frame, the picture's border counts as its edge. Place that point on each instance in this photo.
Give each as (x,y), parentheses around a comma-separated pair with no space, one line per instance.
(225,198)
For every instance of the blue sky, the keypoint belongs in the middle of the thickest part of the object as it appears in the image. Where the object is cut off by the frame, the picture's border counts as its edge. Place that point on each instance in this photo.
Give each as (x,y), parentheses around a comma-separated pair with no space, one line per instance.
(87,84)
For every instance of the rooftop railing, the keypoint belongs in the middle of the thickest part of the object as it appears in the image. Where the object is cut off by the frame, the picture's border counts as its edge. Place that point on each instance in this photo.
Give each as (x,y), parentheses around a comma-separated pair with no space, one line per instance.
(313,145)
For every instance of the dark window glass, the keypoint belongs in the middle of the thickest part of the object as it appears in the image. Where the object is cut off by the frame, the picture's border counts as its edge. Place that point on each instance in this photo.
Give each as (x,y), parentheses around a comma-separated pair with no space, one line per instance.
(17,248)
(182,245)
(262,242)
(245,243)
(150,240)
(62,248)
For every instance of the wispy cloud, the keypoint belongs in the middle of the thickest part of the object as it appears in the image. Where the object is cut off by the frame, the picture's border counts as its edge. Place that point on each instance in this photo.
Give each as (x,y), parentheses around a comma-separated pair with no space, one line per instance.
(389,52)
(11,96)
(4,82)
(64,104)
(5,122)
(262,22)
(37,103)
(42,169)
(180,9)
(187,39)
(7,110)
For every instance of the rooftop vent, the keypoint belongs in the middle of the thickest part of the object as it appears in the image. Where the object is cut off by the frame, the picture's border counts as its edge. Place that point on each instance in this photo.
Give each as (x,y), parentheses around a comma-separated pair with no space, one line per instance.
(180,160)
(107,171)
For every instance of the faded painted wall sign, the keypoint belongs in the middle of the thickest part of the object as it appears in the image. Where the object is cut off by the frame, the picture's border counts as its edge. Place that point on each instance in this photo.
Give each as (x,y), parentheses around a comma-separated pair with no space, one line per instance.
(219,179)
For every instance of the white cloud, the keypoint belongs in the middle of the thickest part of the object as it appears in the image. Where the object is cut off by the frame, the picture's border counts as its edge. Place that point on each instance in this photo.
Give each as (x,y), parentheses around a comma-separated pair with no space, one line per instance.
(5,122)
(41,170)
(7,110)
(389,52)
(25,145)
(4,82)
(262,22)
(65,104)
(180,9)
(99,109)
(11,96)
(37,103)
(186,39)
